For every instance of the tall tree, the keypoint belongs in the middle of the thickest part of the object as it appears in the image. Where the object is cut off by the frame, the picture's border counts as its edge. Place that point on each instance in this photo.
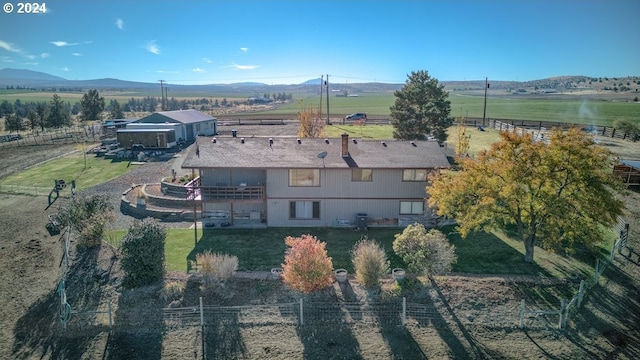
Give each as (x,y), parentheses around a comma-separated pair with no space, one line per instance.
(91,105)
(6,108)
(115,111)
(421,109)
(554,194)
(41,110)
(58,113)
(33,119)
(13,122)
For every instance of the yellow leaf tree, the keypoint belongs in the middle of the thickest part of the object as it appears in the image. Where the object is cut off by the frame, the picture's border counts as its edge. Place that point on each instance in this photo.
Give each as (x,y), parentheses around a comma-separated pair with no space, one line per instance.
(311,123)
(555,195)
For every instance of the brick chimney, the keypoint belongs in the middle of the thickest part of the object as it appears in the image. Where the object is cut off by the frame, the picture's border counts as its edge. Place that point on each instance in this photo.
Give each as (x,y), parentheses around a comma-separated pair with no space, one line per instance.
(345,145)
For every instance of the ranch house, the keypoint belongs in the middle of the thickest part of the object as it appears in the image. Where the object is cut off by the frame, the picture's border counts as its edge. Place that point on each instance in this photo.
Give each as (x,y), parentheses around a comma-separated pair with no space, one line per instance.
(312,182)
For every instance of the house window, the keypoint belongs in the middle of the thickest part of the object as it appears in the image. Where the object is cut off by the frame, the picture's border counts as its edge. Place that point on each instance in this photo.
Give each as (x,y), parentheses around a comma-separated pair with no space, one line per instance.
(304,209)
(361,175)
(197,127)
(411,207)
(304,177)
(414,175)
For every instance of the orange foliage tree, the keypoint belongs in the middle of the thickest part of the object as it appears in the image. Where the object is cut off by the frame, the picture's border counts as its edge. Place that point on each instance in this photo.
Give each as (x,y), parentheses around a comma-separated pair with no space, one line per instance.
(306,267)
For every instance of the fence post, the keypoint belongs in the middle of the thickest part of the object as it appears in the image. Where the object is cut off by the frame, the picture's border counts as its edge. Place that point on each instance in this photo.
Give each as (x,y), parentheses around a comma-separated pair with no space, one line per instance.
(301,313)
(522,314)
(201,312)
(613,249)
(404,311)
(563,313)
(580,293)
(110,318)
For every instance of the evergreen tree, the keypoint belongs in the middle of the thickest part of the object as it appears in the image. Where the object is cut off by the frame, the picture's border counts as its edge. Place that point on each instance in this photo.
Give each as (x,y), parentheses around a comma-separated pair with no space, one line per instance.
(421,109)
(58,113)
(91,105)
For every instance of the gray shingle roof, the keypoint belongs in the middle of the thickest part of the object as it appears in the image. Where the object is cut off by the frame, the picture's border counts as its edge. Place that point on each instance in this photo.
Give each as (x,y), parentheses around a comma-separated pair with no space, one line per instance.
(186,116)
(255,152)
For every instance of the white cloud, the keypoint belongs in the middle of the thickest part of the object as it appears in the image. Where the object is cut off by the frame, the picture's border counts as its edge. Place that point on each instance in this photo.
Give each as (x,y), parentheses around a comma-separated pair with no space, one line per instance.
(245,67)
(198,70)
(44,55)
(30,57)
(120,23)
(9,47)
(207,60)
(65,69)
(168,71)
(152,47)
(64,43)
(6,59)
(76,54)
(244,49)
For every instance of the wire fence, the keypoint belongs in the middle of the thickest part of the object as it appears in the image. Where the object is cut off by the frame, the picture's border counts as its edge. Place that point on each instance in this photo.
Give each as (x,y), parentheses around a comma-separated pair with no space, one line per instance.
(571,307)
(397,312)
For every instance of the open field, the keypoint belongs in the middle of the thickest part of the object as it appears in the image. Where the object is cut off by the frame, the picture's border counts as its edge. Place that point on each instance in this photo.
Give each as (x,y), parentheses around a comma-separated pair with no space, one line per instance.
(592,109)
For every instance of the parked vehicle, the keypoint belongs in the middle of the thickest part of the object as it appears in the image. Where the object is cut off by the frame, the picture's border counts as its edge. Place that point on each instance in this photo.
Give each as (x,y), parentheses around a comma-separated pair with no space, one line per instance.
(356,116)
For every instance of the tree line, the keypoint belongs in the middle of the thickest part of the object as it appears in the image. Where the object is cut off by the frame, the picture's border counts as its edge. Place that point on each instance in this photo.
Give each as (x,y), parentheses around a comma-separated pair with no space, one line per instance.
(20,116)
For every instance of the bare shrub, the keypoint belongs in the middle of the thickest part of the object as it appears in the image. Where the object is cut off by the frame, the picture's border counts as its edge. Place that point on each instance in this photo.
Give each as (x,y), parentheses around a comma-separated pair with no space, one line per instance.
(171,291)
(425,252)
(369,261)
(216,267)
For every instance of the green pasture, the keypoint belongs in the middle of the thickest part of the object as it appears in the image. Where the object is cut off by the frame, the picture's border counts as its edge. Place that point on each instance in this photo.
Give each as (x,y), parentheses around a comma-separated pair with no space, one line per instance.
(86,171)
(263,249)
(570,109)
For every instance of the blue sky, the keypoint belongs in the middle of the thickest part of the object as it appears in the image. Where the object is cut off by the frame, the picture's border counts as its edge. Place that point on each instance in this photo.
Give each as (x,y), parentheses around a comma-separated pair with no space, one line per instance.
(288,42)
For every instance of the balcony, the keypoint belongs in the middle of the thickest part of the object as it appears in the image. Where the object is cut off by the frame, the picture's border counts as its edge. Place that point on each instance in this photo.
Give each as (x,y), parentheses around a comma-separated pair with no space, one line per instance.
(231,193)
(224,193)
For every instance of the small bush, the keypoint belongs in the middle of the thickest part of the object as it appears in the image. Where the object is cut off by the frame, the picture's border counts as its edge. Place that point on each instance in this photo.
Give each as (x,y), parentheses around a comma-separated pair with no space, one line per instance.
(425,252)
(369,261)
(88,216)
(216,267)
(306,267)
(172,291)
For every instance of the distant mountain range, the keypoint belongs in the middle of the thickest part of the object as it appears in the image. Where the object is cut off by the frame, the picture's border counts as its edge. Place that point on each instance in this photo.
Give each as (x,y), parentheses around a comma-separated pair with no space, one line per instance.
(22,78)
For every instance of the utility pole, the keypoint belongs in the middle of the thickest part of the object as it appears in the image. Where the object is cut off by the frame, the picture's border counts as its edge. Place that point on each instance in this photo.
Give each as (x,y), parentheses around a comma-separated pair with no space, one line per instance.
(166,98)
(321,85)
(162,92)
(327,83)
(484,112)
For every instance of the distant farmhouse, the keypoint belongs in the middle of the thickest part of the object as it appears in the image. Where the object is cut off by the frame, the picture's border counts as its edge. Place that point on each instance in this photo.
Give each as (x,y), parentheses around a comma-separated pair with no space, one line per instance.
(167,129)
(313,182)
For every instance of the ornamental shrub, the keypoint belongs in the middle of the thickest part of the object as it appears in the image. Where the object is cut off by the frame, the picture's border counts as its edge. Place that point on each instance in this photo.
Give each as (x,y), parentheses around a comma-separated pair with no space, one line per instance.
(425,252)
(143,253)
(216,267)
(369,261)
(306,267)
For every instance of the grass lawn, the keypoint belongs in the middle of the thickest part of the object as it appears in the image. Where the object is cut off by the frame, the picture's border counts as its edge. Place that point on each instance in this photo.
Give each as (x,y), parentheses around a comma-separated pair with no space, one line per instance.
(263,249)
(71,167)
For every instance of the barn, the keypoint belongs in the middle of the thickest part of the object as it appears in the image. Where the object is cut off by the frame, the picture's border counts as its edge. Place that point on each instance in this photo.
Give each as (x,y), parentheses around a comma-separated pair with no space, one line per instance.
(167,129)
(188,124)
